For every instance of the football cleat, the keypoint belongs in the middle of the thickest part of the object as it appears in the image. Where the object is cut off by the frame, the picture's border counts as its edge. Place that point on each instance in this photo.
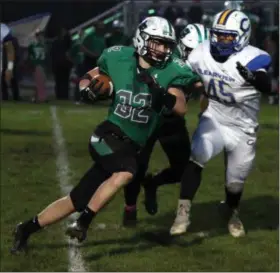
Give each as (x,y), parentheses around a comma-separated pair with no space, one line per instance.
(129,218)
(20,240)
(182,220)
(235,225)
(75,230)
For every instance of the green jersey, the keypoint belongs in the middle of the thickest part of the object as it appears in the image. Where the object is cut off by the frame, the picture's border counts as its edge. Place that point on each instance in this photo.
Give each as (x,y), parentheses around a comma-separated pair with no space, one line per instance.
(37,53)
(131,106)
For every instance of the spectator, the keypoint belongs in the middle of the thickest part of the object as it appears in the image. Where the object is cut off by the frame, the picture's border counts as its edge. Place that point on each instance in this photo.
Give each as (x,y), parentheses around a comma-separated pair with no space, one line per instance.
(195,13)
(76,56)
(61,66)
(173,11)
(117,36)
(179,25)
(37,58)
(93,45)
(8,63)
(155,9)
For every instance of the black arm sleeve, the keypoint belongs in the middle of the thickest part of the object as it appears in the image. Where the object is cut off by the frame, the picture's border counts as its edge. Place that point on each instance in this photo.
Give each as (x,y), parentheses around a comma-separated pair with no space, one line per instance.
(261,81)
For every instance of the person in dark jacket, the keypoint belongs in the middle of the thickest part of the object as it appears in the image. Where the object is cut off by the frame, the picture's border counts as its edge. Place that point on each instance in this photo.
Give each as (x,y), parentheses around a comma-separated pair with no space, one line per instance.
(61,66)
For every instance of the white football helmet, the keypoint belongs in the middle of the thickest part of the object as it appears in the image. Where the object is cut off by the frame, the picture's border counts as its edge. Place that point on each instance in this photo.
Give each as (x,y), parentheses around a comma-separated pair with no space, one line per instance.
(230,32)
(154,28)
(190,37)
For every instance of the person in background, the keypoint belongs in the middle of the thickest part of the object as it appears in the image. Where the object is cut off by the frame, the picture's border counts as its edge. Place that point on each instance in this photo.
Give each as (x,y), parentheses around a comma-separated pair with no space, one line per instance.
(179,25)
(76,56)
(37,58)
(8,63)
(117,36)
(93,45)
(173,11)
(155,9)
(195,12)
(61,66)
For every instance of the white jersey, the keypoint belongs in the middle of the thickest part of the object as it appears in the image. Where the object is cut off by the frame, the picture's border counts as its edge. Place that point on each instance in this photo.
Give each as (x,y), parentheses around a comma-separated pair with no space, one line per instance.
(4,33)
(232,101)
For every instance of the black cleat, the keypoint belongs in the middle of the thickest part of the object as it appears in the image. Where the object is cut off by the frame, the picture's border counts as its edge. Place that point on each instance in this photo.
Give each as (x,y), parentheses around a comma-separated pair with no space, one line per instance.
(20,240)
(75,230)
(130,218)
(150,191)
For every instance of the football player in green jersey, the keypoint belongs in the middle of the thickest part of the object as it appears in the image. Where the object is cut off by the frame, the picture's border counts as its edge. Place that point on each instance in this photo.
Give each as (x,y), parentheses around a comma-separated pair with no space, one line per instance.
(147,81)
(173,137)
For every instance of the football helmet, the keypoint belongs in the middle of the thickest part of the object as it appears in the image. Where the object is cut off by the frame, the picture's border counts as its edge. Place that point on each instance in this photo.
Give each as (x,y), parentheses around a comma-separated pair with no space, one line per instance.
(151,33)
(190,37)
(230,32)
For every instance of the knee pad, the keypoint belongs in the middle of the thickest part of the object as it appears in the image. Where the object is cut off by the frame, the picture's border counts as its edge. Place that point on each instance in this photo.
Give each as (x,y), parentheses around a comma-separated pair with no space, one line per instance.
(201,152)
(235,187)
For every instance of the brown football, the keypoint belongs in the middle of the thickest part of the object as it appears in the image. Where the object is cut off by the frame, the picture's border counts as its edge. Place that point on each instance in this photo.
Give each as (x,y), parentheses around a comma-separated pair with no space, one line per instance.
(107,87)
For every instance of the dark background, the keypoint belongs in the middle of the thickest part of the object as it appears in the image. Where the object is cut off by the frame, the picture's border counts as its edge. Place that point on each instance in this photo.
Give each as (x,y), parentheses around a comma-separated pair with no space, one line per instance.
(67,13)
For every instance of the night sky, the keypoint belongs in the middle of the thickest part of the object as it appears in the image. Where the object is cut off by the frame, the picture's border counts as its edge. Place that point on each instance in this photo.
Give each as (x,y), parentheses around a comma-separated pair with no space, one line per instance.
(67,13)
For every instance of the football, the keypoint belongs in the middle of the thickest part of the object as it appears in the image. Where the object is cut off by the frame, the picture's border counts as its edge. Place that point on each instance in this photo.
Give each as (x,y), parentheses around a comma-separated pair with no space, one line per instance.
(106,89)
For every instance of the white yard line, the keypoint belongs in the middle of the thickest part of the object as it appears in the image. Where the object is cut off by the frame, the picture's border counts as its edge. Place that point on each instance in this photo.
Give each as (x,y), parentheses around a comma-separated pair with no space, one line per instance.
(76,262)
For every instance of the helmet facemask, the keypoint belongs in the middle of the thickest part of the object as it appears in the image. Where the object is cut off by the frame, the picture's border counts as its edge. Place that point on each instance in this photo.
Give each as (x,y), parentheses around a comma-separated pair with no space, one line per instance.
(223,42)
(156,50)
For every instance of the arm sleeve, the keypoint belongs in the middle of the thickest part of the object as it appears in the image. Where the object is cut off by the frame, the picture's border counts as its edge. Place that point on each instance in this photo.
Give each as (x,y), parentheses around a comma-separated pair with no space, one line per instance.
(260,63)
(185,79)
(102,62)
(259,66)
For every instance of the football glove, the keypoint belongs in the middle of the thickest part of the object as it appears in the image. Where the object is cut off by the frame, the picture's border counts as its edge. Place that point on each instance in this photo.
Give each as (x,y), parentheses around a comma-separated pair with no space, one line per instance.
(246,73)
(90,92)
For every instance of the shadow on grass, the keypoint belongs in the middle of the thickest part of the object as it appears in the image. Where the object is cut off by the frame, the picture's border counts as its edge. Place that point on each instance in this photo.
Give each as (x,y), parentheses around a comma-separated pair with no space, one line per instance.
(257,213)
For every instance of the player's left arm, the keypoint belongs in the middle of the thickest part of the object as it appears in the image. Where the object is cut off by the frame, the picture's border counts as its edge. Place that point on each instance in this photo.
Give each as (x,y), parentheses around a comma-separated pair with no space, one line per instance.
(255,72)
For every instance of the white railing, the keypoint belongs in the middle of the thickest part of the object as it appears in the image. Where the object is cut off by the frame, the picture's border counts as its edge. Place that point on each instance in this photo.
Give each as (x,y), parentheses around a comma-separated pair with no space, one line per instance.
(99,17)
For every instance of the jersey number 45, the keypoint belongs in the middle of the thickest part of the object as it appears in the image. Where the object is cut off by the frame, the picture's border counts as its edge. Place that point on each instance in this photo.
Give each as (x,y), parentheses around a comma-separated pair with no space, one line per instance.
(218,90)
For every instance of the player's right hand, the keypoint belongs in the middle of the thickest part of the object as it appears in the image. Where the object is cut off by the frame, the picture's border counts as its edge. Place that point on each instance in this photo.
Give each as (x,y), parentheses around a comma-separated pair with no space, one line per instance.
(90,91)
(87,94)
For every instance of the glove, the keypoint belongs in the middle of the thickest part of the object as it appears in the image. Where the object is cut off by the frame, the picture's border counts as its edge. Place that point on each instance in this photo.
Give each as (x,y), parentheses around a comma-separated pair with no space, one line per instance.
(157,91)
(90,92)
(245,72)
(146,78)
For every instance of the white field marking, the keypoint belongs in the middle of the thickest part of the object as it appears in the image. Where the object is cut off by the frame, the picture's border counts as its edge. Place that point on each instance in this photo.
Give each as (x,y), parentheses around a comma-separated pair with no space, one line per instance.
(76,262)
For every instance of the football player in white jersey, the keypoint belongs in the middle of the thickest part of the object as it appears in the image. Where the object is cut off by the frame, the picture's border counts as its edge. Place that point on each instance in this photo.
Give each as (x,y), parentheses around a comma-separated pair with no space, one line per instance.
(6,41)
(234,75)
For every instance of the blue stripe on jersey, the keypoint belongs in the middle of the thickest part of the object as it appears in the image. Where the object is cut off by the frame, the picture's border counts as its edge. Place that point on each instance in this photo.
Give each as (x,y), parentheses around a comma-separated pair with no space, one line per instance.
(260,62)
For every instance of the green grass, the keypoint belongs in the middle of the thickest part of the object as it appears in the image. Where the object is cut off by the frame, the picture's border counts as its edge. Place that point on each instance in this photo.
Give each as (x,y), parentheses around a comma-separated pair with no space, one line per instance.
(28,183)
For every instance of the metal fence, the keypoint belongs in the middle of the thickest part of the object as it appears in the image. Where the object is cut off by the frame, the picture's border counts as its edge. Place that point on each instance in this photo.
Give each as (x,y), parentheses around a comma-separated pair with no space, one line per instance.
(130,12)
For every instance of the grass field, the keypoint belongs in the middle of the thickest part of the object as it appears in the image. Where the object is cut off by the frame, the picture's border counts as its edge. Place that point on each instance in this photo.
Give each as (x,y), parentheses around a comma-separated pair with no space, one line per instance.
(29,182)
